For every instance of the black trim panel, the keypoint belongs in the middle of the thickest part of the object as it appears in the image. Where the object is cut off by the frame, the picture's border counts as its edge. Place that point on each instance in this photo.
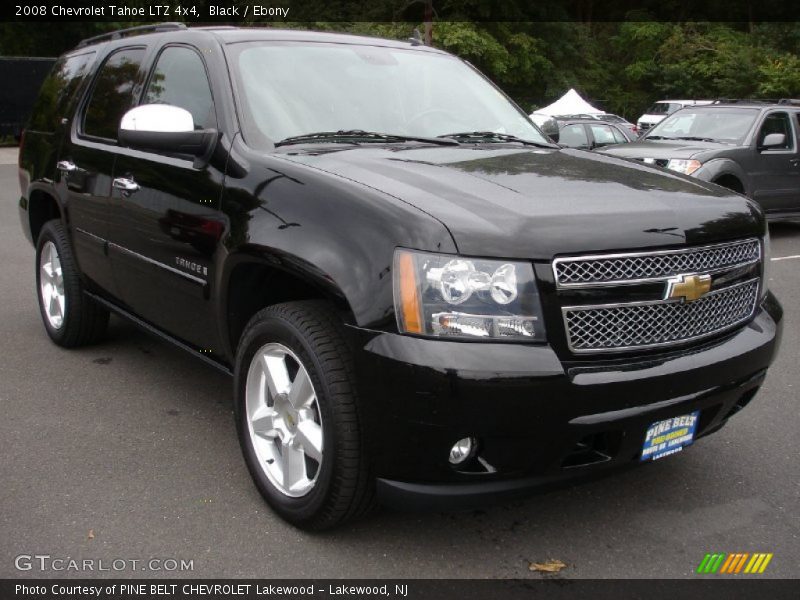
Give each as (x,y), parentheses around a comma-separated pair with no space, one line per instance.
(146,259)
(159,333)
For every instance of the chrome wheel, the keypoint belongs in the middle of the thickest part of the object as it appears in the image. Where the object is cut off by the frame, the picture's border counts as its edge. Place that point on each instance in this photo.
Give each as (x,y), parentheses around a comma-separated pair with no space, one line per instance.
(284,420)
(51,285)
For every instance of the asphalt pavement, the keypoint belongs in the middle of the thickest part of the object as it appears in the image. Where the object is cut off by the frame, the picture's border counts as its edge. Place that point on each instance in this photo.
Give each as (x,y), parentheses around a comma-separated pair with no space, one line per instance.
(127,451)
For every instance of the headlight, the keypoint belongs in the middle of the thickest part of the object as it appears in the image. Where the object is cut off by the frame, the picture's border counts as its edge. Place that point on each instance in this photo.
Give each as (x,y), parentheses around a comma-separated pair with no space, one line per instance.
(687,167)
(455,297)
(766,269)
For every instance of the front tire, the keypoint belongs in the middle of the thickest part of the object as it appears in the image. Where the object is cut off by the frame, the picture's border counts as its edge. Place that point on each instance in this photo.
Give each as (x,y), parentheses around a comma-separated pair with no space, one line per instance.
(297,415)
(70,317)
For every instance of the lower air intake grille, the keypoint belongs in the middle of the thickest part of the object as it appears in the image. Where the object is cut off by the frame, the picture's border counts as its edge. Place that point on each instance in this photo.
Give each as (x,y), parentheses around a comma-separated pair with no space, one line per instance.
(619,327)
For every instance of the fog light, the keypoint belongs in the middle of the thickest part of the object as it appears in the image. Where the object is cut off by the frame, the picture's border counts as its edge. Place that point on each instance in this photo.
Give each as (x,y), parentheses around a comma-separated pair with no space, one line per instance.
(462,450)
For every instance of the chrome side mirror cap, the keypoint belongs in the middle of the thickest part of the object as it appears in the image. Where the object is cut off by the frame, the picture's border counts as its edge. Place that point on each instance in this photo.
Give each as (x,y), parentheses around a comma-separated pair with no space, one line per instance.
(773,139)
(157,118)
(163,128)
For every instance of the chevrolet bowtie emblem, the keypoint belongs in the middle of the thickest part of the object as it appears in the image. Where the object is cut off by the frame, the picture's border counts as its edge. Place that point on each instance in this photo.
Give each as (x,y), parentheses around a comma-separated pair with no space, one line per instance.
(688,288)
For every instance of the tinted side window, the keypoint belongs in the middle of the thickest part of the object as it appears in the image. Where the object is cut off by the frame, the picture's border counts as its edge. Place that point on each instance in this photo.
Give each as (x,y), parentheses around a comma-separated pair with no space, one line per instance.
(58,90)
(777,123)
(619,138)
(603,135)
(112,93)
(659,108)
(179,79)
(574,136)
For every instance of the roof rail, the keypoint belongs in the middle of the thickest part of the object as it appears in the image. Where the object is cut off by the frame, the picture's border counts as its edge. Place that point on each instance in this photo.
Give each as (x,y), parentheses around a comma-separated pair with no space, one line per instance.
(790,101)
(120,33)
(752,101)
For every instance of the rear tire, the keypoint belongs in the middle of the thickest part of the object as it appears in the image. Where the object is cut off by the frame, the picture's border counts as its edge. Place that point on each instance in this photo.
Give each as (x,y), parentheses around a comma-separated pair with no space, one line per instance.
(297,415)
(70,317)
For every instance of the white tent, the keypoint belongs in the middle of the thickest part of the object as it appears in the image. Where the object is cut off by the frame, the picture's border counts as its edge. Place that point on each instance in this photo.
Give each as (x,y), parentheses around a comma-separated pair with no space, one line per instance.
(570,103)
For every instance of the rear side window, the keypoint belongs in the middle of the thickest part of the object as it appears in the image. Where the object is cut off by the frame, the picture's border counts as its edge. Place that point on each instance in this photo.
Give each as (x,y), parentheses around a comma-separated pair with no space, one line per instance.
(58,90)
(112,93)
(618,137)
(603,135)
(663,108)
(180,79)
(574,136)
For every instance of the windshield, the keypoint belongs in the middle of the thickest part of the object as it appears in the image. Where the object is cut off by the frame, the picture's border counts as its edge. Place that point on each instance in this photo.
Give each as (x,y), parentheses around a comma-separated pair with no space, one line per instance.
(662,108)
(294,89)
(728,125)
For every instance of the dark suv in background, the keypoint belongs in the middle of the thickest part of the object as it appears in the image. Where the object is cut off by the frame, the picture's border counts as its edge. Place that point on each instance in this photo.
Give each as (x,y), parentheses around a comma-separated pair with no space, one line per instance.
(749,147)
(420,298)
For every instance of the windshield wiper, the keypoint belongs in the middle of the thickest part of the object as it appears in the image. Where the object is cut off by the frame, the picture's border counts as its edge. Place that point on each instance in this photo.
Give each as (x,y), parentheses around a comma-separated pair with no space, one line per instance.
(680,137)
(359,135)
(693,138)
(493,136)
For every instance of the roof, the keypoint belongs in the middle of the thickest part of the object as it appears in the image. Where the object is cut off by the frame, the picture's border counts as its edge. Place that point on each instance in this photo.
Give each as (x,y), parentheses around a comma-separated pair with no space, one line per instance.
(247,34)
(562,122)
(681,101)
(747,105)
(231,35)
(755,103)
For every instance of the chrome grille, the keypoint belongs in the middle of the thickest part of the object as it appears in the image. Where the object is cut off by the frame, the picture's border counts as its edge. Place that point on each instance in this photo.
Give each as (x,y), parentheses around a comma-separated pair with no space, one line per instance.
(637,325)
(629,268)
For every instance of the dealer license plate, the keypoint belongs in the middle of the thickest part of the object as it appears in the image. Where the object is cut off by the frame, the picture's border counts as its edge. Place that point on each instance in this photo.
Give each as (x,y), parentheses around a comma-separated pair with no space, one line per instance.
(669,436)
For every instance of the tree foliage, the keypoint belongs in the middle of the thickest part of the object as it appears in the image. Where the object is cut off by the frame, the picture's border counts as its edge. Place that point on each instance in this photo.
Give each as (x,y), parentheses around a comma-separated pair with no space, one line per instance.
(621,67)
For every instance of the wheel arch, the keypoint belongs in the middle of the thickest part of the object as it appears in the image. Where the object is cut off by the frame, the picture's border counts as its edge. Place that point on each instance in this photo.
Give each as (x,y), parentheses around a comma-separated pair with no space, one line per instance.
(730,181)
(256,280)
(724,171)
(43,206)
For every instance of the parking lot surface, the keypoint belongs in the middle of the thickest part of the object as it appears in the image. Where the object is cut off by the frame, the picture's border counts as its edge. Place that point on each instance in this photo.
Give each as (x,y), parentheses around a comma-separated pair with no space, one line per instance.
(127,450)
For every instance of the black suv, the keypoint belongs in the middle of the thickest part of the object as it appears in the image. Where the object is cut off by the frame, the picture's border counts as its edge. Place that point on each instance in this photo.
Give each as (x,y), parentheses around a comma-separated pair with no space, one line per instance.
(749,147)
(420,298)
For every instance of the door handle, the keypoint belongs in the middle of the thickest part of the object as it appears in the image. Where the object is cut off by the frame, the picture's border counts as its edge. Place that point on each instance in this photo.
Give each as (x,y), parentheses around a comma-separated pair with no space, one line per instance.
(66,166)
(795,162)
(126,185)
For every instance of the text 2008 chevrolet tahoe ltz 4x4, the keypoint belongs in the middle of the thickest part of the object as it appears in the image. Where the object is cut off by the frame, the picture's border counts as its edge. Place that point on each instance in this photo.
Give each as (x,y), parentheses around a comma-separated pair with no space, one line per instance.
(421,298)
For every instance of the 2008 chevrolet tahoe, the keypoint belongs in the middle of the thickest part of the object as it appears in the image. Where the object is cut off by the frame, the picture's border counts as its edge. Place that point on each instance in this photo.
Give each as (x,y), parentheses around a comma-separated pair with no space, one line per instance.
(421,298)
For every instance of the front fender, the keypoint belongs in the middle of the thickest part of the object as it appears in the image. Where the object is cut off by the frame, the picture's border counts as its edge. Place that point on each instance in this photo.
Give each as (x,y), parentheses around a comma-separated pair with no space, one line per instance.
(716,168)
(337,234)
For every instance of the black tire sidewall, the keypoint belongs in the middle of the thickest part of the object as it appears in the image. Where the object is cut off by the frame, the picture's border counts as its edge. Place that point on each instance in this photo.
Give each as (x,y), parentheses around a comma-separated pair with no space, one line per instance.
(276,329)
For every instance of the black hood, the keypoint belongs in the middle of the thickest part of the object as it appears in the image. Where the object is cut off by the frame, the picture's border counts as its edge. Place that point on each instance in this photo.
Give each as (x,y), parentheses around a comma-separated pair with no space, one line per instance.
(536,203)
(663,150)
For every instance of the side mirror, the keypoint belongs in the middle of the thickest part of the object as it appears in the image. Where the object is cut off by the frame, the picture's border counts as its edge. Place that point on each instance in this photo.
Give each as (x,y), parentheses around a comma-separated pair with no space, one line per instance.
(165,128)
(773,139)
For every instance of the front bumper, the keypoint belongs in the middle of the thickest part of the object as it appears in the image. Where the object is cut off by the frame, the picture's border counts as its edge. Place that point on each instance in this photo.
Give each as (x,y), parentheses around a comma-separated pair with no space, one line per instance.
(539,420)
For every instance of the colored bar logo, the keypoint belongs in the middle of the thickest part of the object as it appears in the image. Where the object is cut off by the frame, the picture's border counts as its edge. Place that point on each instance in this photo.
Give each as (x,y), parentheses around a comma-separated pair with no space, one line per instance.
(721,563)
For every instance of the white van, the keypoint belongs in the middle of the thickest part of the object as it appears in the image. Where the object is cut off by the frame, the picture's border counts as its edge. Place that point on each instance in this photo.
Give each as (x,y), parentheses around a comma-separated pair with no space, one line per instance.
(661,109)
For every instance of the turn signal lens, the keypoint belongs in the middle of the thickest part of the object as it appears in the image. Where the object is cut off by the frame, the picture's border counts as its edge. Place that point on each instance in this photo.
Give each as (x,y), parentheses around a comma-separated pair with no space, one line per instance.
(407,291)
